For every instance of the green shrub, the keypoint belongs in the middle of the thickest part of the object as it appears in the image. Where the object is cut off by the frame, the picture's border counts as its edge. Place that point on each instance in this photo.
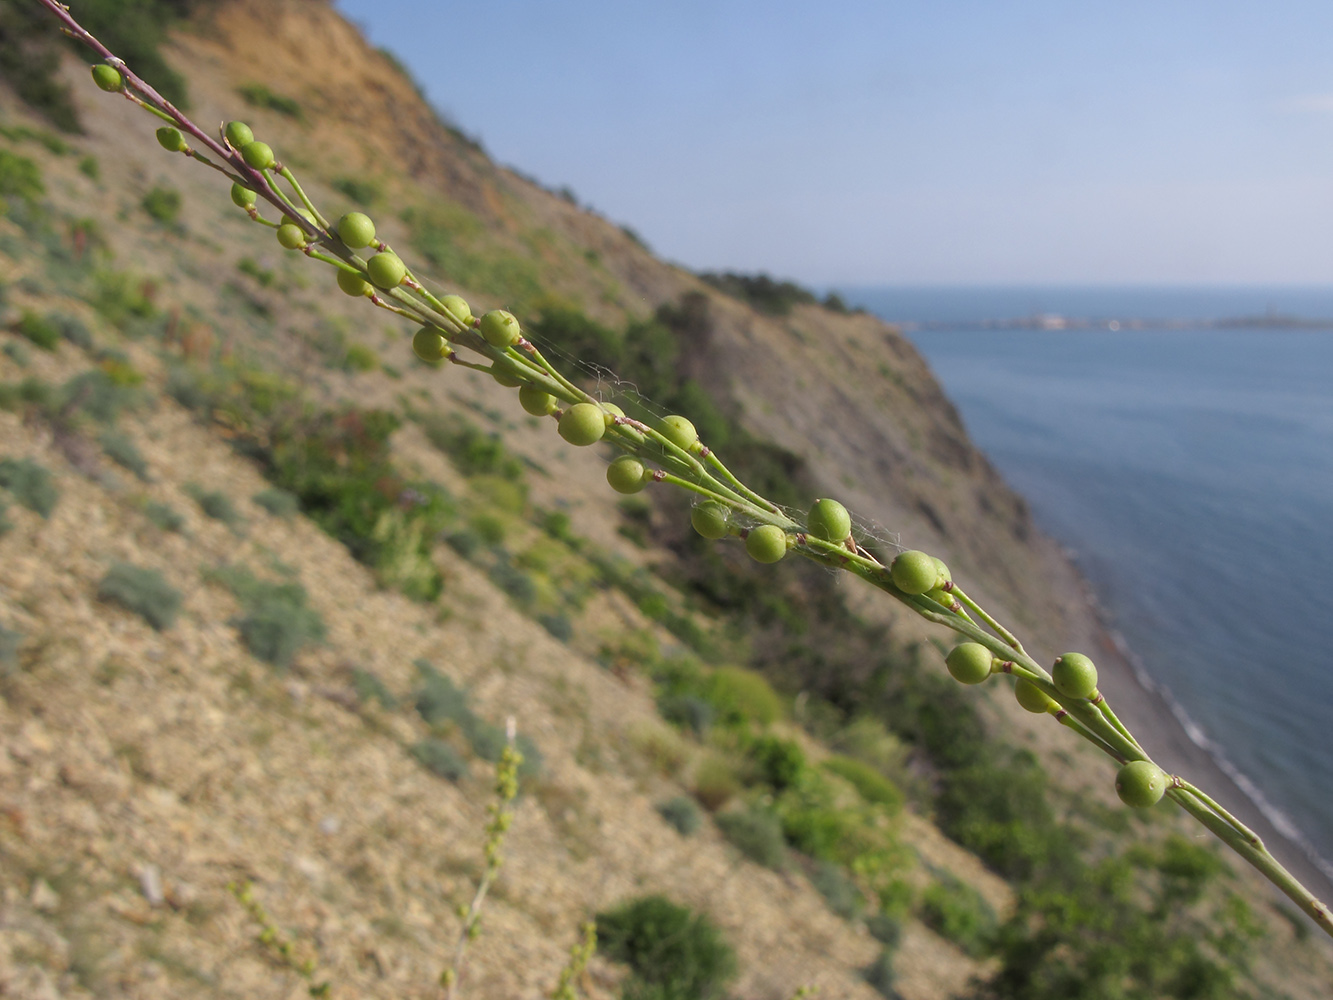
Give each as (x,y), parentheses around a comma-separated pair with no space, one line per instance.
(881,975)
(757,834)
(673,953)
(839,891)
(360,358)
(257,95)
(780,762)
(440,759)
(958,913)
(102,394)
(275,622)
(742,695)
(715,782)
(20,177)
(369,687)
(9,649)
(361,191)
(163,204)
(248,265)
(73,330)
(558,625)
(472,451)
(872,786)
(39,330)
(681,814)
(90,167)
(439,700)
(6,525)
(886,929)
(163,515)
(486,739)
(122,300)
(32,486)
(277,502)
(215,504)
(688,712)
(143,591)
(121,449)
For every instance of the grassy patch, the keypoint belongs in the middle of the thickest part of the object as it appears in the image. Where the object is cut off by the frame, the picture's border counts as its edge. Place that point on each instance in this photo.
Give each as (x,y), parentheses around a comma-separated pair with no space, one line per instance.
(258,95)
(163,204)
(122,450)
(757,834)
(275,622)
(31,484)
(277,502)
(146,592)
(673,953)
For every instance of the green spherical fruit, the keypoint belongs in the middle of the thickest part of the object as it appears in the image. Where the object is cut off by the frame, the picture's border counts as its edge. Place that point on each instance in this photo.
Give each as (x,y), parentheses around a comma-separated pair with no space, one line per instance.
(356,230)
(386,270)
(500,328)
(291,236)
(583,423)
(458,308)
(352,284)
(914,572)
(766,543)
(1074,675)
(626,475)
(238,134)
(942,570)
(428,345)
(1033,698)
(829,520)
(505,379)
(107,77)
(710,519)
(1141,784)
(258,154)
(536,401)
(679,431)
(242,197)
(171,139)
(969,662)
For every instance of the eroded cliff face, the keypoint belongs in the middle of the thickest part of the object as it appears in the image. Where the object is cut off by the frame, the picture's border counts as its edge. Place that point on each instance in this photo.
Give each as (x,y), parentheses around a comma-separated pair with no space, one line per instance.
(135,759)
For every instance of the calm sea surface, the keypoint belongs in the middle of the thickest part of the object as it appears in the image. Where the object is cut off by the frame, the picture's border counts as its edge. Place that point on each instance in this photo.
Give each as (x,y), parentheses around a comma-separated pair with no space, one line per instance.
(1190,468)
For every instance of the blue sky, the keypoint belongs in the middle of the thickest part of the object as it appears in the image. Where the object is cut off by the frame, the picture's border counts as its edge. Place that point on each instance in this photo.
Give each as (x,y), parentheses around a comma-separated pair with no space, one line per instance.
(891,143)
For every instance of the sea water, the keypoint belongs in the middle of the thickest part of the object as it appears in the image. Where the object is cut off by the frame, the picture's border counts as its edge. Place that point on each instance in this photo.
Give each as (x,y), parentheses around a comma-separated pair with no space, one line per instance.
(1189,466)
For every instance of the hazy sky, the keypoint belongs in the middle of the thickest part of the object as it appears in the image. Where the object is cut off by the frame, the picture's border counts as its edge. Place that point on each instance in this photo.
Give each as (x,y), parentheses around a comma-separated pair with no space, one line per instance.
(881,142)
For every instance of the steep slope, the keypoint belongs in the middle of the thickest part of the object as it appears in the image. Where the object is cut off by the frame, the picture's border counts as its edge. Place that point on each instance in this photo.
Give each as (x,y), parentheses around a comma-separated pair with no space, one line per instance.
(131,751)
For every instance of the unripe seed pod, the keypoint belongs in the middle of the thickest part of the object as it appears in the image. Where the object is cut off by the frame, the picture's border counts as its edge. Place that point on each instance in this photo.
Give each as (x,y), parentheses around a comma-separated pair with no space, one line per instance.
(1033,698)
(386,270)
(238,134)
(536,401)
(356,230)
(505,378)
(352,284)
(914,572)
(829,520)
(428,345)
(766,543)
(942,570)
(626,475)
(679,431)
(1141,784)
(242,197)
(457,305)
(583,423)
(500,328)
(969,662)
(291,236)
(710,519)
(258,154)
(1074,675)
(171,139)
(107,77)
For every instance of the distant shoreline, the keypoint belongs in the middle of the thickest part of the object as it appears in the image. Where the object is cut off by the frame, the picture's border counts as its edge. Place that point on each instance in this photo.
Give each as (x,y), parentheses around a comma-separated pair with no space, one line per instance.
(1054,322)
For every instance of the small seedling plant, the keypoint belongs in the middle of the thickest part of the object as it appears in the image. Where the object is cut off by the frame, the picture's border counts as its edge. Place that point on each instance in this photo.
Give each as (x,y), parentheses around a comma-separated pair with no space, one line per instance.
(668,452)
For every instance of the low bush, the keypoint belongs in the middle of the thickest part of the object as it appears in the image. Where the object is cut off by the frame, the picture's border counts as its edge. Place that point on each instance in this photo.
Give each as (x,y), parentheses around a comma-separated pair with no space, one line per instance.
(681,814)
(121,449)
(440,759)
(757,834)
(163,515)
(881,975)
(277,502)
(558,625)
(20,177)
(886,929)
(144,591)
(673,953)
(275,622)
(360,358)
(216,505)
(742,695)
(369,687)
(101,394)
(780,762)
(872,786)
(6,525)
(163,204)
(9,649)
(439,700)
(687,711)
(258,95)
(958,913)
(839,891)
(31,485)
(39,330)
(715,782)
